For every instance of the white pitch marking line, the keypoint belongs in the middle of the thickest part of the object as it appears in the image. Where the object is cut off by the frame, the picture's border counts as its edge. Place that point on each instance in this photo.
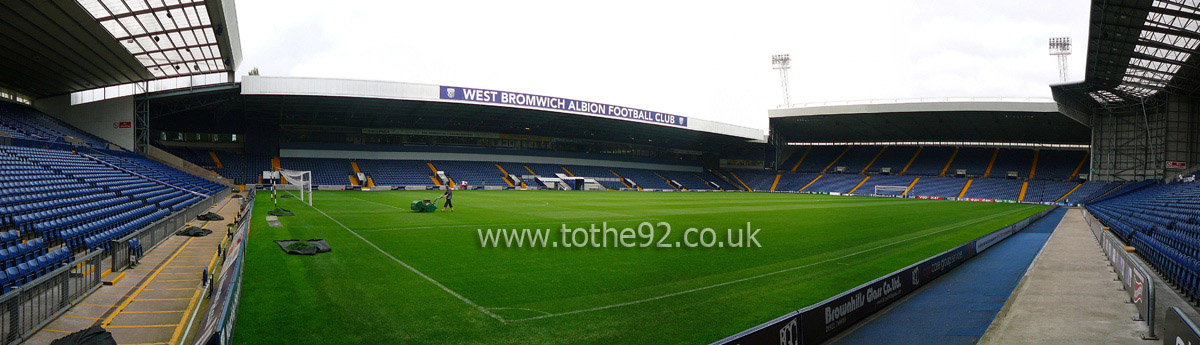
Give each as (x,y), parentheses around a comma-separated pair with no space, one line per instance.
(950,227)
(526,309)
(414,270)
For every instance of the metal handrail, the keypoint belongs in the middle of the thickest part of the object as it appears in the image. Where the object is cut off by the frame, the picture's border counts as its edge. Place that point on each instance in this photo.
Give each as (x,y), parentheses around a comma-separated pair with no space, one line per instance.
(1097,229)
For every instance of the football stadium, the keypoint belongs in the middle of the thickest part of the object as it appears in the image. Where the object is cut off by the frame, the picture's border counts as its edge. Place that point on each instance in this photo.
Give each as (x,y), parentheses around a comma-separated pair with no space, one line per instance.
(153,191)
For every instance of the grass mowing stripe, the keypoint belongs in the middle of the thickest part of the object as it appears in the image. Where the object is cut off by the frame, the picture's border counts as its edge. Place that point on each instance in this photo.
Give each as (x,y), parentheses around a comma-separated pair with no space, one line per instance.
(410,268)
(351,296)
(946,228)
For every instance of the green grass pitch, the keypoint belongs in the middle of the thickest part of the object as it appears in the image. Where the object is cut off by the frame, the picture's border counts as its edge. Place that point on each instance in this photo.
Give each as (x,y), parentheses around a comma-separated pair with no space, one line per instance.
(425,279)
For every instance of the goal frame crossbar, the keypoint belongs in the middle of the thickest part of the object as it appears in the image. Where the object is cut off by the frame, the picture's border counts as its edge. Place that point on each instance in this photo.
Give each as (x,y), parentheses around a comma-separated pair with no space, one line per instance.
(901,190)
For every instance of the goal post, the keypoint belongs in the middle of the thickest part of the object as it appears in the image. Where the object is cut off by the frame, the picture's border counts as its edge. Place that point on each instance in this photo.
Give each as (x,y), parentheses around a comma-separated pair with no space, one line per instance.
(890,190)
(302,180)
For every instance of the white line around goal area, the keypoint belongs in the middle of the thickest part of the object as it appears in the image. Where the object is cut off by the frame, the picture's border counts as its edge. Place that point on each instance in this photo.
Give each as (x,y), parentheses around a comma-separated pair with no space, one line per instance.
(655,298)
(413,269)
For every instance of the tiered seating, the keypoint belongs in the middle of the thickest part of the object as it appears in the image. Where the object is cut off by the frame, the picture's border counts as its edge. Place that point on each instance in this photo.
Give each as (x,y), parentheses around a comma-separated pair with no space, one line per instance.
(994,189)
(1047,191)
(973,159)
(1017,160)
(545,170)
(894,157)
(708,176)
(256,165)
(473,172)
(758,180)
(818,158)
(25,122)
(930,161)
(1058,165)
(161,173)
(883,180)
(590,171)
(856,159)
(835,183)
(233,166)
(689,180)
(793,182)
(201,159)
(1090,190)
(1163,223)
(644,178)
(396,173)
(325,171)
(946,187)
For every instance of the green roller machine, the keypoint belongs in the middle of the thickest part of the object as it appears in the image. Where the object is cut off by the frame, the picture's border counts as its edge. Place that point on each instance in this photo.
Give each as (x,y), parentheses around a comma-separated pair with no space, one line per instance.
(423,206)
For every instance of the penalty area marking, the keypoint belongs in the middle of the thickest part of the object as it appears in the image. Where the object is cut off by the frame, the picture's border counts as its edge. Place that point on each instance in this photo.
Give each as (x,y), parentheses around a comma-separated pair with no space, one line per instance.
(677,293)
(410,268)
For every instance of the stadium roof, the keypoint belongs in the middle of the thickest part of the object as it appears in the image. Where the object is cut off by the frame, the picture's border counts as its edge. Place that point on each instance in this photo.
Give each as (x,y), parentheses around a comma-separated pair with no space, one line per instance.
(377,104)
(54,47)
(944,120)
(1136,49)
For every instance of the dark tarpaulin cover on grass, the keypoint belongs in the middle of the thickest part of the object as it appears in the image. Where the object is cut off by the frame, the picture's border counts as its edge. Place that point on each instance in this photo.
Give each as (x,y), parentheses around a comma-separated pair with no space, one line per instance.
(94,335)
(315,246)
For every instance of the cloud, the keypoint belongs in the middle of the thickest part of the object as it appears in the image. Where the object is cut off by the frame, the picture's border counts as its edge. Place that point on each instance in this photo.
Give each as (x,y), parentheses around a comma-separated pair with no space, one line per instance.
(709,62)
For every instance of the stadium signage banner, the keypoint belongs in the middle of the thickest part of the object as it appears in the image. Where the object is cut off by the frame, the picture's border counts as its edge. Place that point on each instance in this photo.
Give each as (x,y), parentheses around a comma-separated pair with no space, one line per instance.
(823,320)
(1176,165)
(1131,277)
(559,104)
(1179,329)
(217,325)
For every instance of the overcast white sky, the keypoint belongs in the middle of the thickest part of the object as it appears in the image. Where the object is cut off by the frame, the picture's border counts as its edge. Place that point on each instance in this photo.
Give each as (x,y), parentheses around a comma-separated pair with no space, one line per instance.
(709,62)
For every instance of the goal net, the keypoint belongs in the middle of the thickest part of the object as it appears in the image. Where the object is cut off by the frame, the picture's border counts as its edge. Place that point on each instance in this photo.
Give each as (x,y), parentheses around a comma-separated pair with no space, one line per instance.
(298,180)
(890,190)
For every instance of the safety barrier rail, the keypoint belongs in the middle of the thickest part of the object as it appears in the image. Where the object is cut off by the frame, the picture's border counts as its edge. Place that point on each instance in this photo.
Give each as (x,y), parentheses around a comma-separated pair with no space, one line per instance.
(822,320)
(1179,329)
(1133,276)
(218,322)
(31,306)
(152,235)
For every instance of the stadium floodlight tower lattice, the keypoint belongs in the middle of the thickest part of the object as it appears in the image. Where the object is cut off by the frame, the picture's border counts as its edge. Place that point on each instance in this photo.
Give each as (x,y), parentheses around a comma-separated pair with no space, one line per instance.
(783,63)
(302,180)
(1061,47)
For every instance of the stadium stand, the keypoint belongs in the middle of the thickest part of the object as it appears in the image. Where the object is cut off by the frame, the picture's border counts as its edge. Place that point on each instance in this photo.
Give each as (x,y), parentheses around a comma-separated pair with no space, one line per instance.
(1058,165)
(946,187)
(835,183)
(756,179)
(930,161)
(325,171)
(395,172)
(894,157)
(1163,223)
(818,158)
(644,178)
(689,180)
(793,182)
(883,180)
(1019,161)
(24,122)
(474,173)
(856,159)
(973,159)
(54,203)
(1047,191)
(994,189)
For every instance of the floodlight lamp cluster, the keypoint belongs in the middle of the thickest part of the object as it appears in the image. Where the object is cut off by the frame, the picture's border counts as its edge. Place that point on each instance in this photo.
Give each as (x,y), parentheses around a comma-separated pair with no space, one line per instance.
(1060,45)
(781,61)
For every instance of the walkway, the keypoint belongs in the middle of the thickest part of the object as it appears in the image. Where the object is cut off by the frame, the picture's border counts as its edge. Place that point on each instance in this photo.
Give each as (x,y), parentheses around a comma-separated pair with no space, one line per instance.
(1069,296)
(151,303)
(957,307)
